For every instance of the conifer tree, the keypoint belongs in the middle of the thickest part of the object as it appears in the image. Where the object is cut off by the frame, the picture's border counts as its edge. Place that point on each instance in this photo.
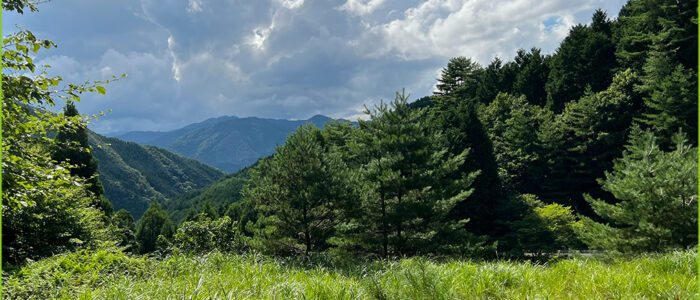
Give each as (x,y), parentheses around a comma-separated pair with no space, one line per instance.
(298,193)
(585,59)
(656,196)
(533,69)
(458,121)
(584,140)
(671,95)
(460,77)
(155,224)
(406,192)
(72,147)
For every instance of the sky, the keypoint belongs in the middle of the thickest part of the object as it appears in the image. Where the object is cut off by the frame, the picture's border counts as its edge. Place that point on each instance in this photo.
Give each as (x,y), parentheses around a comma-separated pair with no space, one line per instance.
(190,60)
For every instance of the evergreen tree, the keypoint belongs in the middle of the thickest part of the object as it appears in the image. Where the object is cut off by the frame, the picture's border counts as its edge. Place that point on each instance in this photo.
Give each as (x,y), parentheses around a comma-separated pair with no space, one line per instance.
(460,77)
(671,96)
(512,124)
(491,82)
(298,193)
(73,148)
(656,196)
(154,223)
(585,59)
(640,21)
(124,228)
(530,80)
(584,140)
(406,194)
(457,119)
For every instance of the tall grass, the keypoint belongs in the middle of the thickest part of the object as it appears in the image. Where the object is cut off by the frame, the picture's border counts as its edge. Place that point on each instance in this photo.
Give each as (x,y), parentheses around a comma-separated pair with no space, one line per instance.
(222,276)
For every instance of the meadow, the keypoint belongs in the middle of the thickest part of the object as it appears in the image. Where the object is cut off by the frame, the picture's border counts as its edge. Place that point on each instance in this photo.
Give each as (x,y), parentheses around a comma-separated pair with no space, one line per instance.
(113,275)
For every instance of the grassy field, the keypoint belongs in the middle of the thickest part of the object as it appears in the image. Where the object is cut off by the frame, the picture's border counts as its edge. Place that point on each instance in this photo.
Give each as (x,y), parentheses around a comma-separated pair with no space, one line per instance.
(109,275)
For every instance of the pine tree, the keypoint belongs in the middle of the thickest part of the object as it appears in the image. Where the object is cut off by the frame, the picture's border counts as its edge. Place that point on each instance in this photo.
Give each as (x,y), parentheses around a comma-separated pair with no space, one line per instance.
(298,193)
(533,70)
(585,59)
(406,194)
(640,21)
(671,98)
(512,124)
(458,121)
(154,224)
(584,140)
(73,148)
(460,77)
(491,82)
(656,196)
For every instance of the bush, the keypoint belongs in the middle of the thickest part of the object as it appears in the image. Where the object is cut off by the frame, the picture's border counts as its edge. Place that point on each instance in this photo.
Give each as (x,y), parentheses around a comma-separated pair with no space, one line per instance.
(67,275)
(205,235)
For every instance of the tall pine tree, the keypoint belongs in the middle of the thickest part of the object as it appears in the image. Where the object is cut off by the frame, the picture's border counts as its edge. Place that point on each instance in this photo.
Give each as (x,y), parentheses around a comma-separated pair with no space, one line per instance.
(406,192)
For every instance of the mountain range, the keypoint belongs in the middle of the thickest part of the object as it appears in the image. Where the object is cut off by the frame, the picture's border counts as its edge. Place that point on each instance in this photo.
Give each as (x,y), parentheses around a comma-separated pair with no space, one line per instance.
(133,175)
(228,143)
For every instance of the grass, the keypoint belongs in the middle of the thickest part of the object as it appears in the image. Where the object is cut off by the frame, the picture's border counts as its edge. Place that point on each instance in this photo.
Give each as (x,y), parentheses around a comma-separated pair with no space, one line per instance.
(223,276)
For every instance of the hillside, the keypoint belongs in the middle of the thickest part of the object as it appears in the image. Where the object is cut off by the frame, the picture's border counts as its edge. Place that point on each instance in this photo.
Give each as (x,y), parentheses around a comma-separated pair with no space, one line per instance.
(228,143)
(133,175)
(220,193)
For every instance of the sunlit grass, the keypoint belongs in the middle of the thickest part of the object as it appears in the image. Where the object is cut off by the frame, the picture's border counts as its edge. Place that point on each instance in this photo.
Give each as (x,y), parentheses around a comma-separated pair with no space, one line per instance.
(223,276)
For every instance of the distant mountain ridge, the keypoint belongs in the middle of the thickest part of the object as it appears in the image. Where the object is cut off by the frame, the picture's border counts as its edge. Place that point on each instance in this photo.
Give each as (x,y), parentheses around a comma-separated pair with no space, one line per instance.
(133,175)
(228,143)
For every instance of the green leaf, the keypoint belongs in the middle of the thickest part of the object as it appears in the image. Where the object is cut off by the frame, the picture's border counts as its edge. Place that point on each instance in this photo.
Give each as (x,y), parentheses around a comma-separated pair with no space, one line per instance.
(101,90)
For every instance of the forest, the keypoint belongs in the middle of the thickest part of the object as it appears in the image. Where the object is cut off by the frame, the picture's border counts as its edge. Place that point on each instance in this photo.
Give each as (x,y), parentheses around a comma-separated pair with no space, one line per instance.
(565,175)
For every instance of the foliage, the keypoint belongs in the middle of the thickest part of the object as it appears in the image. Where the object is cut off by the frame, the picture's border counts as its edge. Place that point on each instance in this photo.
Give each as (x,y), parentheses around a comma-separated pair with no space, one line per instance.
(670,97)
(512,124)
(545,228)
(656,196)
(531,77)
(72,148)
(67,275)
(406,192)
(641,21)
(297,193)
(457,120)
(124,230)
(585,59)
(216,275)
(582,142)
(133,175)
(207,234)
(459,78)
(154,226)
(46,209)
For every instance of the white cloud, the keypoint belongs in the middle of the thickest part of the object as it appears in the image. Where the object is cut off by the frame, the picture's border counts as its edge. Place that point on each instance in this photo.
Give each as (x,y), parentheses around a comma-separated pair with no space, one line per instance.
(292,4)
(188,61)
(361,7)
(194,6)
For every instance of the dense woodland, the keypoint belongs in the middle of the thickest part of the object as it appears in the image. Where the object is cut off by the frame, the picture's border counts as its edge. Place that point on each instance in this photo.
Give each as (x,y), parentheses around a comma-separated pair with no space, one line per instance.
(591,147)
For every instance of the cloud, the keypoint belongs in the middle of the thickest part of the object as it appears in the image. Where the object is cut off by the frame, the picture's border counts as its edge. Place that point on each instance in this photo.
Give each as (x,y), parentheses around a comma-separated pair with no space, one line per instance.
(361,7)
(189,60)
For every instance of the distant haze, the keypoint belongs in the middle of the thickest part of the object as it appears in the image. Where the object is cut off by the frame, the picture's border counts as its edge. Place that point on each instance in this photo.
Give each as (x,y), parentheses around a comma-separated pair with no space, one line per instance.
(228,143)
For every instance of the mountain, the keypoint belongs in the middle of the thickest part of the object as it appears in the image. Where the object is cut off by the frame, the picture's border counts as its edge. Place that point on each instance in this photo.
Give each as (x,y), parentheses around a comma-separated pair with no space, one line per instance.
(133,175)
(220,194)
(228,143)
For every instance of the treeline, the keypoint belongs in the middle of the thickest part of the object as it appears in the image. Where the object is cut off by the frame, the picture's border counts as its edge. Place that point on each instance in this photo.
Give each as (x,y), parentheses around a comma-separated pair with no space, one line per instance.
(593,146)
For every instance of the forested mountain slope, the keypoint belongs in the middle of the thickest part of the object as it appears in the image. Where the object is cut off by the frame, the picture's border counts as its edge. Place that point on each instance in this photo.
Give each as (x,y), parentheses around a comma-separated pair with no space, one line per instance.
(228,143)
(219,194)
(133,175)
